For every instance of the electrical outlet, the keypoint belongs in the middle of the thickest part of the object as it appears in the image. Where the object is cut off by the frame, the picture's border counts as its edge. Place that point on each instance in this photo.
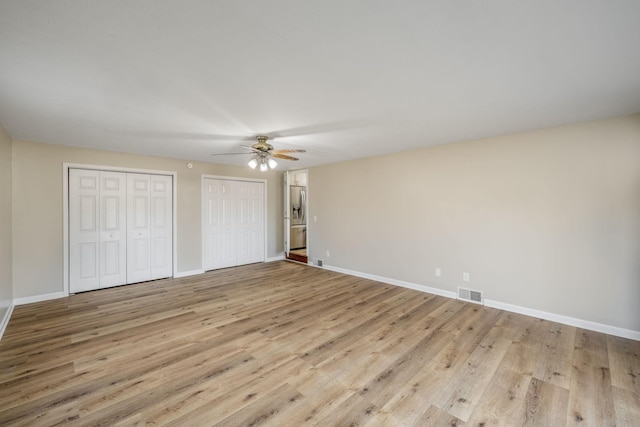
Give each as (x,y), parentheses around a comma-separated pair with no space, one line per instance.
(465,277)
(328,254)
(438,272)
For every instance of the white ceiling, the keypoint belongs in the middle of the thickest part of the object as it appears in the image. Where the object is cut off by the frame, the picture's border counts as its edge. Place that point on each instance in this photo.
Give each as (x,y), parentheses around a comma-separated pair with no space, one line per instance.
(343,79)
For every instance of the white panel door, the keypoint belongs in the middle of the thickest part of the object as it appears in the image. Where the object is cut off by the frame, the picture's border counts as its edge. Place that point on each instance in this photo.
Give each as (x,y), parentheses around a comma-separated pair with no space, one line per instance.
(212,227)
(120,228)
(233,223)
(219,224)
(250,208)
(229,224)
(243,238)
(113,231)
(161,226)
(257,225)
(138,228)
(97,234)
(84,235)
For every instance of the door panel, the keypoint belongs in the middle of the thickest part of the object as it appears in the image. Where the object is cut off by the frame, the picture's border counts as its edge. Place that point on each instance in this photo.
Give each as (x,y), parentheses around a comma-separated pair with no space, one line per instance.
(243,246)
(89,262)
(140,212)
(161,226)
(111,266)
(212,227)
(113,242)
(243,233)
(138,231)
(159,257)
(251,224)
(88,213)
(220,224)
(111,209)
(140,263)
(228,227)
(84,236)
(212,252)
(159,207)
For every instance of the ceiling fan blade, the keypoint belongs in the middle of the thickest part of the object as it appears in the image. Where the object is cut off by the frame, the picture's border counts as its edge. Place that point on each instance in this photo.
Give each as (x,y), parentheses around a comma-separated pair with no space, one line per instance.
(255,150)
(284,156)
(226,154)
(288,151)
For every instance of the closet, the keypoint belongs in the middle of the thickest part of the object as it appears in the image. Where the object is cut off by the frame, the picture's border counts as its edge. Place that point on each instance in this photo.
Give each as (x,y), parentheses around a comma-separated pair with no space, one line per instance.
(120,228)
(233,222)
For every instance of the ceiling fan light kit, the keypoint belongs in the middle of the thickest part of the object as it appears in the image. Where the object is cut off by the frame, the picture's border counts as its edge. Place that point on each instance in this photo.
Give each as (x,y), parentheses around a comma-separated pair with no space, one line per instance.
(264,162)
(263,154)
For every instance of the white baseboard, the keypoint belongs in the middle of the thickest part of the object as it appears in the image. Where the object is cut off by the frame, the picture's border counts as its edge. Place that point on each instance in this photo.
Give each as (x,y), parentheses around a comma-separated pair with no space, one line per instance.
(38,298)
(188,273)
(5,320)
(571,321)
(559,318)
(390,281)
(275,258)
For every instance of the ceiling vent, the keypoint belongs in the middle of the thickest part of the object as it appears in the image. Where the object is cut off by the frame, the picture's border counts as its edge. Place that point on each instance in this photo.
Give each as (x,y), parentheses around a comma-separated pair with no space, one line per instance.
(470,295)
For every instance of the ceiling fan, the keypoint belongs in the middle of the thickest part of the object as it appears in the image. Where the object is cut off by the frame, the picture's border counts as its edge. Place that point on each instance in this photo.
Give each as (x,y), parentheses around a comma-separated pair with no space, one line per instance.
(263,154)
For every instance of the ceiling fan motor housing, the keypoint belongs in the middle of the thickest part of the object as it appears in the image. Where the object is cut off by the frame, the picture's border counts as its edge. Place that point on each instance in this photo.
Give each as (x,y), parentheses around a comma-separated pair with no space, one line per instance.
(262,144)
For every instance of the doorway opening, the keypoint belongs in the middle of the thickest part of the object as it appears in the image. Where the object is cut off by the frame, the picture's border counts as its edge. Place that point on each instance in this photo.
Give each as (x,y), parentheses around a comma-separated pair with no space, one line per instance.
(296,215)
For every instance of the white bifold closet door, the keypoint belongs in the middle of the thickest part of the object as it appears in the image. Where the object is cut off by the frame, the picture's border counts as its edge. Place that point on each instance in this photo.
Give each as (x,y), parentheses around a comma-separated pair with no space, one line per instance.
(120,228)
(97,229)
(250,226)
(233,232)
(149,227)
(219,224)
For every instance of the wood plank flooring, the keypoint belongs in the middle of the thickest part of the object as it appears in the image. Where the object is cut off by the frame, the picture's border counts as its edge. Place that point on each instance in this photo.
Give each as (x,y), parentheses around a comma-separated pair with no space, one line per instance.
(283,344)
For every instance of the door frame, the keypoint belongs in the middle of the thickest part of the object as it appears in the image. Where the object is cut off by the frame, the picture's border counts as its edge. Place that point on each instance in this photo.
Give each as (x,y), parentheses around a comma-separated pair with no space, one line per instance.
(65,210)
(202,211)
(287,221)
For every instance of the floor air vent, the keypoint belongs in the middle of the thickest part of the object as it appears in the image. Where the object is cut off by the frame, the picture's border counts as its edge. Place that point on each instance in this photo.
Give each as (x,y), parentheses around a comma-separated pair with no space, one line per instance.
(470,295)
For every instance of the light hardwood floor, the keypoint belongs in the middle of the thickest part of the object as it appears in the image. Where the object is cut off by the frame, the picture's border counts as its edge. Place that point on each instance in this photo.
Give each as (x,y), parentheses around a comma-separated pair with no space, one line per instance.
(283,344)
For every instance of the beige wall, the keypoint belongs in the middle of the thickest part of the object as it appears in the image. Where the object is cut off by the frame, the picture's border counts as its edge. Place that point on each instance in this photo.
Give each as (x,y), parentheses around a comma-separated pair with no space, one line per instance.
(6,291)
(37,209)
(548,220)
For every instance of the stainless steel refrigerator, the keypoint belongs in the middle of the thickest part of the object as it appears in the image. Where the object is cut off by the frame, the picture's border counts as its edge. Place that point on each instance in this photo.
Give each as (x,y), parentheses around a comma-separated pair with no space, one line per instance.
(298,217)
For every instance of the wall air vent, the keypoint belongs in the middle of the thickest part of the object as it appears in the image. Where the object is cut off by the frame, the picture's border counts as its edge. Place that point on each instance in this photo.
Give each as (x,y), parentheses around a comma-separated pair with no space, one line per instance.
(466,294)
(319,263)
